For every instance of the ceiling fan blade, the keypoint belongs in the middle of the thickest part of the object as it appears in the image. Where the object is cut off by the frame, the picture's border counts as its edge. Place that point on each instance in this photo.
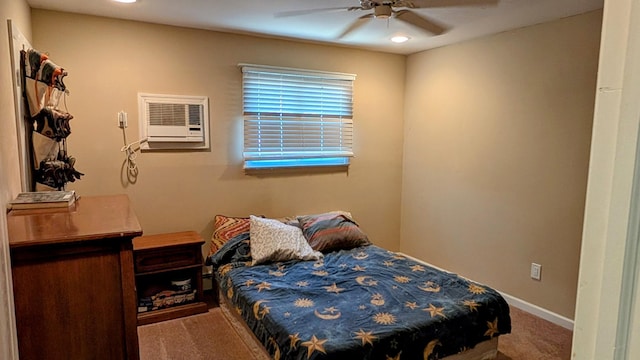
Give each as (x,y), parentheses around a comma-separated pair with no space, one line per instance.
(416,20)
(356,24)
(424,4)
(308,11)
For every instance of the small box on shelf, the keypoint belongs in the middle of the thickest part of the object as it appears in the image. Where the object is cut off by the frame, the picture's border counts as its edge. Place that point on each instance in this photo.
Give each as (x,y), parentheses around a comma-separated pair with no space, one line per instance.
(166,299)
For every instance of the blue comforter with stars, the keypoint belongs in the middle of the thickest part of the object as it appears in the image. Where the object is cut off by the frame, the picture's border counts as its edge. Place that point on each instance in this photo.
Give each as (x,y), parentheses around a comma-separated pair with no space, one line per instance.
(363,303)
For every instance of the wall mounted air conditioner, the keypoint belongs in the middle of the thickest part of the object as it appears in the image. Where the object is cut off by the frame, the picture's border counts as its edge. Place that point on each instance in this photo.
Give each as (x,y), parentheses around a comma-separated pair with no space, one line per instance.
(173,121)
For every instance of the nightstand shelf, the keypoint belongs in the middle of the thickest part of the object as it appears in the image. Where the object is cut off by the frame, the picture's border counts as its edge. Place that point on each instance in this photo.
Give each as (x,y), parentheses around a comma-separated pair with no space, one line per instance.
(174,312)
(161,259)
(149,273)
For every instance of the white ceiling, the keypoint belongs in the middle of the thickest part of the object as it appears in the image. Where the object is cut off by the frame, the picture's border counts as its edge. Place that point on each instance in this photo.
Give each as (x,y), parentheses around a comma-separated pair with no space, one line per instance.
(259,17)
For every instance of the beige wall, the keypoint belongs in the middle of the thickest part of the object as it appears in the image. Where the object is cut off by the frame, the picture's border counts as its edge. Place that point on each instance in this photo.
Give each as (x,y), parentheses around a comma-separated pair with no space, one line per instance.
(480,172)
(497,134)
(18,12)
(109,61)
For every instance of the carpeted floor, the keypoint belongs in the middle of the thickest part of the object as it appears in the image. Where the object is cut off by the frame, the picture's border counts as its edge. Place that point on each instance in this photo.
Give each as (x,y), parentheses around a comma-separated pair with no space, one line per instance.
(210,336)
(197,337)
(534,338)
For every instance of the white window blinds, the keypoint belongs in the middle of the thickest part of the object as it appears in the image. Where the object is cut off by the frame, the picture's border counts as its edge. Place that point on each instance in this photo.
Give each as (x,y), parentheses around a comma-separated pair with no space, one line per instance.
(296,117)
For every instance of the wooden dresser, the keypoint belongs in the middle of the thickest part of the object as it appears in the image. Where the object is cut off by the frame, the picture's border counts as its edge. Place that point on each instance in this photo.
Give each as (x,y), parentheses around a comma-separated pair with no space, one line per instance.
(73,280)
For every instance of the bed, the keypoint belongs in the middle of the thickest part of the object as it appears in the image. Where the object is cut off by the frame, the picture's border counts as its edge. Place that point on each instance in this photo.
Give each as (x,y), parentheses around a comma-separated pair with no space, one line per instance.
(354,300)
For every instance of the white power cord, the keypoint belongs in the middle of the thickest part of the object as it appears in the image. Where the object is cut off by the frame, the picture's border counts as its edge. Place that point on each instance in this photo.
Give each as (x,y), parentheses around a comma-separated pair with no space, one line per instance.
(129,149)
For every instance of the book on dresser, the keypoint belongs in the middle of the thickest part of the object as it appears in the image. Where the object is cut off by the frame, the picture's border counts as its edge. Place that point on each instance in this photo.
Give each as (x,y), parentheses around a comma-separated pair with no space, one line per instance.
(43,200)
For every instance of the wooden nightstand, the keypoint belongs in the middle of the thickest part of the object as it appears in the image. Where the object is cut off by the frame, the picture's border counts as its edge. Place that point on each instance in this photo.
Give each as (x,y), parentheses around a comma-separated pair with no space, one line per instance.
(160,260)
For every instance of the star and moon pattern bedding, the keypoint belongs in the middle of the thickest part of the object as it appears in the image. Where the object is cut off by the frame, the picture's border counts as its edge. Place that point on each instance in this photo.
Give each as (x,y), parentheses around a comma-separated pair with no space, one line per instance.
(363,303)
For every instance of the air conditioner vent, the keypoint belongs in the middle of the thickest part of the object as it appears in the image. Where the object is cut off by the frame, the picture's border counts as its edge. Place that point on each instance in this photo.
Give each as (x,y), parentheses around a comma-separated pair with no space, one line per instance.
(168,114)
(174,121)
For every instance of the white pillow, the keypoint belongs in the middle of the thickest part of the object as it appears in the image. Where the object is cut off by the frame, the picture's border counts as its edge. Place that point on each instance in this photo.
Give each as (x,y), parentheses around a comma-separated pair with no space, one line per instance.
(272,241)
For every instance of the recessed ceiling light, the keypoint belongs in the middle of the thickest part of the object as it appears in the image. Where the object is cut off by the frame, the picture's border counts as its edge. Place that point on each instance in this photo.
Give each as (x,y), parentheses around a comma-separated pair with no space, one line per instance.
(400,39)
(125,1)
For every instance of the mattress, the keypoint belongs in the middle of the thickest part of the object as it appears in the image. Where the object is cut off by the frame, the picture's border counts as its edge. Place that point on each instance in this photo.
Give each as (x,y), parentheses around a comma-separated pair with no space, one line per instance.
(363,303)
(486,350)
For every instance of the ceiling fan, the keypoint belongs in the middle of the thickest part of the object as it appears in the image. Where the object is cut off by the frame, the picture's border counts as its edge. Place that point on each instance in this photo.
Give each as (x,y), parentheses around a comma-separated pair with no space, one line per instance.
(397,9)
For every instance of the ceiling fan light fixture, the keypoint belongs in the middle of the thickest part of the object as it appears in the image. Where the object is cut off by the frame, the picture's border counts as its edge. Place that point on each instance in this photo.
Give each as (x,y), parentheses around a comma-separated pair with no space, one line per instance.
(382,12)
(399,39)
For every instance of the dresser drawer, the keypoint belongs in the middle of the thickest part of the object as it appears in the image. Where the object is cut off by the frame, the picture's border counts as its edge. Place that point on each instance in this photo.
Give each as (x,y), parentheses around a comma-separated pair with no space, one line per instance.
(167,258)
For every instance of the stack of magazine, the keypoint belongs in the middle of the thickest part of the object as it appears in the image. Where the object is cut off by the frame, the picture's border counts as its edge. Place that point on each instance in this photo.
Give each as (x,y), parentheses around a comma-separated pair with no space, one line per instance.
(43,200)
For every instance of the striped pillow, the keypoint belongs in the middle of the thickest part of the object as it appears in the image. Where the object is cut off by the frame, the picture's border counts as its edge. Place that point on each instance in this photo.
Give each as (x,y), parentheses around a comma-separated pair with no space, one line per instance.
(226,228)
(331,231)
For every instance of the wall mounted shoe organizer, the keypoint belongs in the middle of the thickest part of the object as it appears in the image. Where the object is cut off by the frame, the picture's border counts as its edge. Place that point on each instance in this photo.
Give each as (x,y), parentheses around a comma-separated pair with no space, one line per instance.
(47,125)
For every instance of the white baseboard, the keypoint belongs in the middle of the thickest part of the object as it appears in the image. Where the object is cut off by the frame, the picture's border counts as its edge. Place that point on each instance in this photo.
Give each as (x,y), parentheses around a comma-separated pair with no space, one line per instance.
(538,311)
(520,304)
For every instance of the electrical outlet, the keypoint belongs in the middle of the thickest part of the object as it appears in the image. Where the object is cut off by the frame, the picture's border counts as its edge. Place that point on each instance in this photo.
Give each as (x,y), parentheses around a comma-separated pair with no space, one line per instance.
(122,119)
(536,270)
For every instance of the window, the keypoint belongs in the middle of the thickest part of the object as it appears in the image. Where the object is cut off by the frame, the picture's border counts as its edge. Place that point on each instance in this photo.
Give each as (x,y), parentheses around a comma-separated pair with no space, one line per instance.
(296,117)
